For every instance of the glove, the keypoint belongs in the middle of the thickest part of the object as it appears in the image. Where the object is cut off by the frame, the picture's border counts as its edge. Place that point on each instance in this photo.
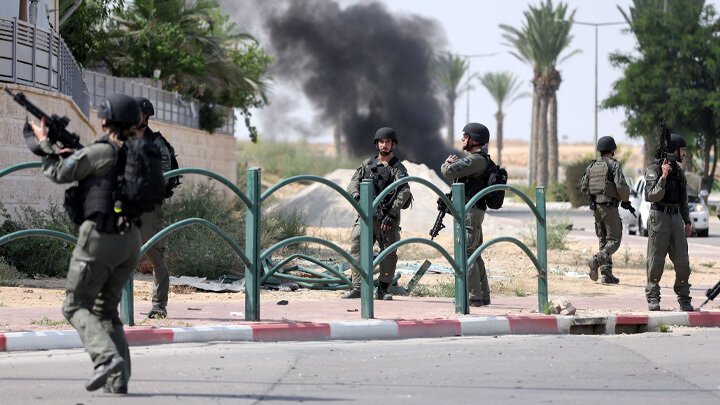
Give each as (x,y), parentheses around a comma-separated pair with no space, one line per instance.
(389,220)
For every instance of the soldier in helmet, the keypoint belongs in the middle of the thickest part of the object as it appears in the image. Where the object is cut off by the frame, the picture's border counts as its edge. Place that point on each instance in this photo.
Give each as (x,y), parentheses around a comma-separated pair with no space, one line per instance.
(668,224)
(152,222)
(606,188)
(104,256)
(475,141)
(383,169)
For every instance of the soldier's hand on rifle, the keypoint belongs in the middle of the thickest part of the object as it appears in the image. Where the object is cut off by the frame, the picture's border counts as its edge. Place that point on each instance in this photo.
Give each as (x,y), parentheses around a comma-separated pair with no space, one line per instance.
(451,159)
(688,230)
(387,222)
(39,130)
(666,169)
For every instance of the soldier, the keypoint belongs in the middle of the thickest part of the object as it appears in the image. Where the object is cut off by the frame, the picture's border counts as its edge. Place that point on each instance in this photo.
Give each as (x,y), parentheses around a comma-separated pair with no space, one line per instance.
(475,140)
(668,224)
(383,170)
(606,188)
(152,222)
(103,257)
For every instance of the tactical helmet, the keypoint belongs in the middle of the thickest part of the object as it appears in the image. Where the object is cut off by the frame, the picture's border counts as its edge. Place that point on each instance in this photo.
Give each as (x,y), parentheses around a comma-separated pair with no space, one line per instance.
(477,132)
(145,106)
(120,109)
(677,141)
(606,144)
(385,133)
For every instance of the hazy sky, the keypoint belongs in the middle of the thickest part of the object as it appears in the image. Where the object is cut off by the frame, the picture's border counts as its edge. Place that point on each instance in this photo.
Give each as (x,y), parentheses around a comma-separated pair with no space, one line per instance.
(472,27)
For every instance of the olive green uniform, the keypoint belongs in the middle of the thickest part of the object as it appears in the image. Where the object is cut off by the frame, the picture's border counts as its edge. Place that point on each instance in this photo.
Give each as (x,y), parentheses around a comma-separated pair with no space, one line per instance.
(608,225)
(669,214)
(152,223)
(388,265)
(100,266)
(472,165)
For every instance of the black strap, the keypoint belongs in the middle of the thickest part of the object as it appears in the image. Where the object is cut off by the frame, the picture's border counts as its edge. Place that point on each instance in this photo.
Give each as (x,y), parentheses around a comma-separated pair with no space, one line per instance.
(668,209)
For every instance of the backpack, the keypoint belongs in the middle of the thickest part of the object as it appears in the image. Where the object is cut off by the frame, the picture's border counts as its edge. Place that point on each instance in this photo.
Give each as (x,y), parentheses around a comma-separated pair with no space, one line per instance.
(494,174)
(141,187)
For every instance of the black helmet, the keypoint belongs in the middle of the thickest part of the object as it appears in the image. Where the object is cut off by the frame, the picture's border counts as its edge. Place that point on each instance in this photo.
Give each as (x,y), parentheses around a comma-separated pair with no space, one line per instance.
(677,141)
(145,106)
(385,133)
(606,144)
(120,109)
(477,132)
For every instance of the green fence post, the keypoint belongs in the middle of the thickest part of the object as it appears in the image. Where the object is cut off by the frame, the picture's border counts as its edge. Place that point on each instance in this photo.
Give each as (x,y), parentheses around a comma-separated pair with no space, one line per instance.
(126,303)
(366,251)
(460,250)
(541,248)
(252,246)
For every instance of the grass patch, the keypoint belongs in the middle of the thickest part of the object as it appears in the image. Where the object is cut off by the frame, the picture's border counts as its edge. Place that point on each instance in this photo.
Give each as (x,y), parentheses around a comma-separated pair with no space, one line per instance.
(547,310)
(8,271)
(286,159)
(45,321)
(442,289)
(663,328)
(556,231)
(707,264)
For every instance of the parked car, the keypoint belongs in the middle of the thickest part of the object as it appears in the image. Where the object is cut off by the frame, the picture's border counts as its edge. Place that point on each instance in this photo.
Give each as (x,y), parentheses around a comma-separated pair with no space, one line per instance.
(699,213)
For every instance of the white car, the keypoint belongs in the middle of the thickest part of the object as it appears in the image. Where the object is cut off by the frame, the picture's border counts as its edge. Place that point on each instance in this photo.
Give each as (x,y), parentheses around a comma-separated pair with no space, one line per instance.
(699,213)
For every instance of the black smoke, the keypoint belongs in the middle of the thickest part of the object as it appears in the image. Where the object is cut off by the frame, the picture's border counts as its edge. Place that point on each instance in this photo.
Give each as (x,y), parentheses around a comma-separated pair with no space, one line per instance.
(364,68)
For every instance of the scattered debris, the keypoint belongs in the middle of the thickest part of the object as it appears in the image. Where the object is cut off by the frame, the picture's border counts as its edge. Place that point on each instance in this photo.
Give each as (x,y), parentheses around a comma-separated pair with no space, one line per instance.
(289,286)
(194,309)
(352,310)
(201,283)
(236,314)
(282,302)
(564,307)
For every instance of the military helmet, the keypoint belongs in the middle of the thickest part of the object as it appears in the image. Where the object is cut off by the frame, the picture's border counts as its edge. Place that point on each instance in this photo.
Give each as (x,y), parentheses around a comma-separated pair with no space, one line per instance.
(385,133)
(677,141)
(477,132)
(606,144)
(120,109)
(145,106)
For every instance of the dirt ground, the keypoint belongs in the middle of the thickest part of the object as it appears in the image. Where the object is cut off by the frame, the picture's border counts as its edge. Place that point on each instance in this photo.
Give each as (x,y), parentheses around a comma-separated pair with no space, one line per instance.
(510,270)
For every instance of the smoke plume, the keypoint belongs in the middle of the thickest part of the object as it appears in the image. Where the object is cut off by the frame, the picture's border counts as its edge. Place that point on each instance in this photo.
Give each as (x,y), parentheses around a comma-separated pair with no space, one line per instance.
(364,68)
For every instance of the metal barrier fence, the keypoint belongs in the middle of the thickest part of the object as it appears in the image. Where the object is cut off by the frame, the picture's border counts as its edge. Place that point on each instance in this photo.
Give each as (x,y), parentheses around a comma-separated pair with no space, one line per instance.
(169,106)
(252,255)
(38,57)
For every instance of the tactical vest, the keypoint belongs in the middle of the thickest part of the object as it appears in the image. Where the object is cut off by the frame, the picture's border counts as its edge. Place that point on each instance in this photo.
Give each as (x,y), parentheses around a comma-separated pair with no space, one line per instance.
(674,187)
(475,183)
(381,175)
(600,179)
(97,196)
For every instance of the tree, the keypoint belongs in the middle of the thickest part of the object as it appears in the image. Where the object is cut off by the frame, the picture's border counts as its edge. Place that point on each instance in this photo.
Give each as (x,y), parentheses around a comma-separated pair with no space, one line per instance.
(81,26)
(503,87)
(450,71)
(674,77)
(544,36)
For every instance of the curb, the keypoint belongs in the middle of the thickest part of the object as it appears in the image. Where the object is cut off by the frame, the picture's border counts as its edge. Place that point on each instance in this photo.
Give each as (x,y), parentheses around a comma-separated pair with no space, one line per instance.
(372,330)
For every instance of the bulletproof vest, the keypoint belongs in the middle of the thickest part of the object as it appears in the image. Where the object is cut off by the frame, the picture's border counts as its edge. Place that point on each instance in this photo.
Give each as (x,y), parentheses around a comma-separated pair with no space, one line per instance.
(381,175)
(165,153)
(600,179)
(475,183)
(97,195)
(674,187)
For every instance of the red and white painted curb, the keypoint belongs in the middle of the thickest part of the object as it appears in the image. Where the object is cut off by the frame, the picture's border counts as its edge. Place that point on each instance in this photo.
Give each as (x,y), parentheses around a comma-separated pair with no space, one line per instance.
(363,330)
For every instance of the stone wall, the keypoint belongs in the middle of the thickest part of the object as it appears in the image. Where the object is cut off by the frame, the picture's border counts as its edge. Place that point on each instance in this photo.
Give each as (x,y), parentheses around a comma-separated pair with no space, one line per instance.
(28,187)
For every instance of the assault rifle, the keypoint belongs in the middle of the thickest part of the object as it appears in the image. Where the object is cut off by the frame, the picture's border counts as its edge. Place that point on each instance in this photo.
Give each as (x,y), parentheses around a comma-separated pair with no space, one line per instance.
(381,238)
(663,152)
(441,215)
(626,205)
(56,125)
(711,293)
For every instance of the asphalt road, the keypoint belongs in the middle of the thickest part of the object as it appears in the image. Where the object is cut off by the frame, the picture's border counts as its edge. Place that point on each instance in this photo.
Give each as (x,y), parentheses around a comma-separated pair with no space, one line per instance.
(514,220)
(671,368)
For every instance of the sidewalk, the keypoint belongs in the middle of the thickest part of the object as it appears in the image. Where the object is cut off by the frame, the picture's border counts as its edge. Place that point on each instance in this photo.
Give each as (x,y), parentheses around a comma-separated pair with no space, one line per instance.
(404,317)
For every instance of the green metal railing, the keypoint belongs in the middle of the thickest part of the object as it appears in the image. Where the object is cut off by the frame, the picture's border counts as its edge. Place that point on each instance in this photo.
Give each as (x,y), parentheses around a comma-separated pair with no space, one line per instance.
(253,257)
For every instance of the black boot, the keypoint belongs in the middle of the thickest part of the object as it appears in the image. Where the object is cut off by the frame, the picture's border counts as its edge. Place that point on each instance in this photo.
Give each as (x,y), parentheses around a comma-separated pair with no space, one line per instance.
(608,278)
(686,306)
(593,265)
(382,292)
(101,372)
(352,294)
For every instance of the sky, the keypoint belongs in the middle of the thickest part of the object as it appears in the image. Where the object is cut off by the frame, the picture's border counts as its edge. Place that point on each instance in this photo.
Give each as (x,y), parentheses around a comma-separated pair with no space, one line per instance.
(472,28)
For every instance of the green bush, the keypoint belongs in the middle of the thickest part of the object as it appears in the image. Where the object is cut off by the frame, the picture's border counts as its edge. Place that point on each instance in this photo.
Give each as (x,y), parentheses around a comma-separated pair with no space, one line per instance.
(211,117)
(198,251)
(557,230)
(557,191)
(38,254)
(574,173)
(290,159)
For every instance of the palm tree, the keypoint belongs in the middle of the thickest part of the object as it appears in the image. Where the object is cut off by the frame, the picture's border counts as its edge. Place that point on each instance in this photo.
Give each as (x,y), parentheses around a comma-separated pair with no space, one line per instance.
(450,71)
(545,34)
(503,87)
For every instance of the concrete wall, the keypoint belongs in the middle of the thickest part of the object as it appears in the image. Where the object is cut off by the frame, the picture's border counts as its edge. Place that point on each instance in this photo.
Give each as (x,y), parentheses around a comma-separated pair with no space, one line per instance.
(28,187)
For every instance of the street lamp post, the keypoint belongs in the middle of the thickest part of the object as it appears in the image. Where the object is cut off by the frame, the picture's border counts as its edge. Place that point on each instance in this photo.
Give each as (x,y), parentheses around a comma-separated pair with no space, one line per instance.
(596,25)
(470,77)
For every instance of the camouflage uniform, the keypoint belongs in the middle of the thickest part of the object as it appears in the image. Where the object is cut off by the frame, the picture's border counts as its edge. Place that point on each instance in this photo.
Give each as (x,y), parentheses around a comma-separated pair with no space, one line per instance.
(396,172)
(100,266)
(608,225)
(472,165)
(152,223)
(669,214)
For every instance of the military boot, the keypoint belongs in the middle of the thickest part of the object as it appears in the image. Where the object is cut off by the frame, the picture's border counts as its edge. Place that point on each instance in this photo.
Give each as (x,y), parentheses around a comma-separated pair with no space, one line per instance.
(686,306)
(653,306)
(479,303)
(382,292)
(101,372)
(157,313)
(594,266)
(352,294)
(608,278)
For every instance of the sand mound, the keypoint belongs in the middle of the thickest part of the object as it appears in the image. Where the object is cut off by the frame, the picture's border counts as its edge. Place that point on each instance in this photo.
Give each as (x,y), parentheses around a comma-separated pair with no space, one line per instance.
(325,207)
